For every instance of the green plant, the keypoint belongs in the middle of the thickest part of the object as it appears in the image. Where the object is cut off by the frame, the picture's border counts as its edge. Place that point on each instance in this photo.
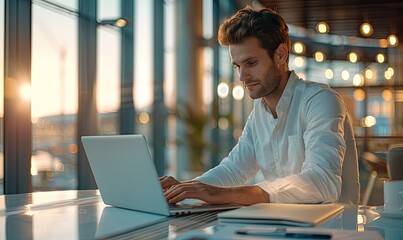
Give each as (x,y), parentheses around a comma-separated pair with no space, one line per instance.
(195,122)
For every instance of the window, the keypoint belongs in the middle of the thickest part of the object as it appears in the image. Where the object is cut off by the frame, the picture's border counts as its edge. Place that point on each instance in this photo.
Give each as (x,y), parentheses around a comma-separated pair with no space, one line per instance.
(54,99)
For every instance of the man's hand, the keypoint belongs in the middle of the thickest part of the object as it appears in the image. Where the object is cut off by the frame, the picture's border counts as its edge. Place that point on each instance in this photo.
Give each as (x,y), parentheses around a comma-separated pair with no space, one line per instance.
(168,181)
(176,191)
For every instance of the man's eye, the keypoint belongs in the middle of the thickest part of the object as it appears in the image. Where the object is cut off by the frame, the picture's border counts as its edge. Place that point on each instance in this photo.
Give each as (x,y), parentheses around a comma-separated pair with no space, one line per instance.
(251,63)
(236,66)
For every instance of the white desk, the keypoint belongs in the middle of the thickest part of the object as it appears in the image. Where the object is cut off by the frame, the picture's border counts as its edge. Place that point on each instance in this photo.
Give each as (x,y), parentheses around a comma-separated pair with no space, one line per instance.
(83,215)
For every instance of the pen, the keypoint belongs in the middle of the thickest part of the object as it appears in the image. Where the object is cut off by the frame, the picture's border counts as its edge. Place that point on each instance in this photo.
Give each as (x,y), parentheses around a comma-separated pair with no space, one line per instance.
(281,232)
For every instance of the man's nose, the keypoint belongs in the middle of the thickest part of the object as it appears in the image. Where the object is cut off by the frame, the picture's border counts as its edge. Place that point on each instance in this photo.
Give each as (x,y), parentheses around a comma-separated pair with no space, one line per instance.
(244,75)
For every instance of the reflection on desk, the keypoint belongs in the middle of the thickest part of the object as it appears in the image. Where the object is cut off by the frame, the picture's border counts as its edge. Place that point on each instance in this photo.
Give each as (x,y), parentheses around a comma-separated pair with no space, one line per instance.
(82,215)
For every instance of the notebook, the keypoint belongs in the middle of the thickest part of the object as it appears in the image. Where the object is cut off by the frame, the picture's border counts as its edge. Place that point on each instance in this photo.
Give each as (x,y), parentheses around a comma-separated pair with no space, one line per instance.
(302,215)
(126,176)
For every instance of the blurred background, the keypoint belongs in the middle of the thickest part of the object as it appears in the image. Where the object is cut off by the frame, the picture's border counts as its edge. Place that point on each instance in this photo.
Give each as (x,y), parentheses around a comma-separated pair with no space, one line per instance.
(99,67)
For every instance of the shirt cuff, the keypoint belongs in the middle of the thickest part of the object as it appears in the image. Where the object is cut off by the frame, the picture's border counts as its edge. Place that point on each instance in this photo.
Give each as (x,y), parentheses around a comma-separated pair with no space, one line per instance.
(265,186)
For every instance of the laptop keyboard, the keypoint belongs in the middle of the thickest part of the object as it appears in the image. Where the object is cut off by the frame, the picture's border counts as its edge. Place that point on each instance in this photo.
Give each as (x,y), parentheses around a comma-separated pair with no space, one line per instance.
(183,206)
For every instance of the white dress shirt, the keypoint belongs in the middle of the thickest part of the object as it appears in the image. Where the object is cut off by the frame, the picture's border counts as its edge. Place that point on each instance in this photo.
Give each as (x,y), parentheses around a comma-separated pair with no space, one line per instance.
(302,154)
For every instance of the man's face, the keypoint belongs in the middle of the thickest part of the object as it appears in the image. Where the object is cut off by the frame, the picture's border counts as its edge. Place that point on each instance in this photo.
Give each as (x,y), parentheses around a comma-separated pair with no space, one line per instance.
(257,71)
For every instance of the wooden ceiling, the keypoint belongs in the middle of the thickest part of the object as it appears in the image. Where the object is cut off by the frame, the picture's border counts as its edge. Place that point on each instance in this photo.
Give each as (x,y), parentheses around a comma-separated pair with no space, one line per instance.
(343,16)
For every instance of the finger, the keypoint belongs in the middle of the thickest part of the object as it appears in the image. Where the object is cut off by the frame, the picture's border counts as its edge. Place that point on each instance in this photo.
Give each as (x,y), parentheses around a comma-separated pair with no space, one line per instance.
(196,190)
(181,194)
(169,181)
(181,191)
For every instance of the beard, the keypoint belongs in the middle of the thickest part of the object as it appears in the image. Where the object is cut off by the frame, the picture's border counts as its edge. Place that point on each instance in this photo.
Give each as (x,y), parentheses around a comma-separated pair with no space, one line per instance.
(261,87)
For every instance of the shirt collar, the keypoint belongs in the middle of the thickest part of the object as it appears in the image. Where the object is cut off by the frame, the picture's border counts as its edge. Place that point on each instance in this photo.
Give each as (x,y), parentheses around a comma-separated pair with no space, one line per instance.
(286,96)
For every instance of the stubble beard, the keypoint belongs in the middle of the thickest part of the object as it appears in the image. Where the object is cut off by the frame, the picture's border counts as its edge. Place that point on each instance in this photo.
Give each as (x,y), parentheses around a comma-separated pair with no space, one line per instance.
(266,89)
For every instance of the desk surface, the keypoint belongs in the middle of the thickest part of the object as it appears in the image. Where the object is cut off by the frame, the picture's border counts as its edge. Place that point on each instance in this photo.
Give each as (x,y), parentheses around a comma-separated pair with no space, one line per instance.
(83,215)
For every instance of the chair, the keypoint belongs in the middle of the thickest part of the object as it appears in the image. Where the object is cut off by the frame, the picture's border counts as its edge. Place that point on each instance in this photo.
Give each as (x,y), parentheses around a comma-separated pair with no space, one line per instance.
(377,166)
(395,162)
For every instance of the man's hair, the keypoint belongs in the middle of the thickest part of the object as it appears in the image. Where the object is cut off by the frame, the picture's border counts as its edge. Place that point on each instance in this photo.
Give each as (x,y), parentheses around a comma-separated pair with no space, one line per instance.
(265,25)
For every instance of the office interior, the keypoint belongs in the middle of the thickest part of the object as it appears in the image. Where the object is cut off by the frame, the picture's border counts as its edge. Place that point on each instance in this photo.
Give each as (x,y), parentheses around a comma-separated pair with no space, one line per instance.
(101,67)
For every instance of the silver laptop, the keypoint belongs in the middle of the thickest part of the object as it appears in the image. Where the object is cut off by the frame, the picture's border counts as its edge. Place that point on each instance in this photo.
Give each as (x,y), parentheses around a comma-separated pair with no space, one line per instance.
(126,176)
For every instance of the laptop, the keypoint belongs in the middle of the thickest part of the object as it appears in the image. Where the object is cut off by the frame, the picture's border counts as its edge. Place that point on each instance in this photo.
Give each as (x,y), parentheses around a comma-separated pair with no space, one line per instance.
(126,176)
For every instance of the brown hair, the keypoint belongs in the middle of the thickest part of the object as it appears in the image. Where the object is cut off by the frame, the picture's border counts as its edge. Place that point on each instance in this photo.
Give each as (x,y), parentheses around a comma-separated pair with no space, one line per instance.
(265,25)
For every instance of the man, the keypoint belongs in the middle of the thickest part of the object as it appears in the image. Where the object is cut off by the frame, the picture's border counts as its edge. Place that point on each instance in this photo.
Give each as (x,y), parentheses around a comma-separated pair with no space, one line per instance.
(298,134)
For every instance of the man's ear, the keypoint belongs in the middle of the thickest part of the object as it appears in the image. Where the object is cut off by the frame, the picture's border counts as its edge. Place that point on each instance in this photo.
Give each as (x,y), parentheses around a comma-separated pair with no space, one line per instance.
(281,54)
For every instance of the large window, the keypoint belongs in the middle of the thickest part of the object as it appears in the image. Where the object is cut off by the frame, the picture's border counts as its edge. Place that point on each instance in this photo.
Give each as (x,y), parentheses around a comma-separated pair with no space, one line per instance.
(54,99)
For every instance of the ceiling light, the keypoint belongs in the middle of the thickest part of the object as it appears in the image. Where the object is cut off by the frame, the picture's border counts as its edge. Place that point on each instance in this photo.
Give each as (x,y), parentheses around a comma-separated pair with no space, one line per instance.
(391,71)
(368,121)
(366,29)
(380,57)
(393,41)
(119,22)
(387,95)
(383,43)
(359,95)
(369,74)
(353,57)
(319,56)
(238,92)
(345,75)
(322,27)
(223,90)
(144,118)
(358,80)
(298,47)
(329,73)
(223,123)
(387,75)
